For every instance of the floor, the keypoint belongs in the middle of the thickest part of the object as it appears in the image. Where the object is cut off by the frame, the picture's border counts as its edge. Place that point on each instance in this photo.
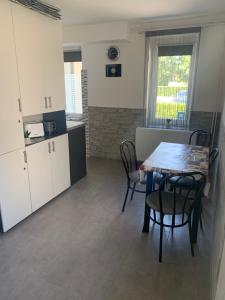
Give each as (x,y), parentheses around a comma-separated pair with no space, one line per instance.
(80,246)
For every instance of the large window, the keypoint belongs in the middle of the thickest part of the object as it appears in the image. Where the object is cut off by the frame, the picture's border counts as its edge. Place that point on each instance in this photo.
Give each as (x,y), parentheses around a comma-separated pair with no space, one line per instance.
(171,70)
(72,69)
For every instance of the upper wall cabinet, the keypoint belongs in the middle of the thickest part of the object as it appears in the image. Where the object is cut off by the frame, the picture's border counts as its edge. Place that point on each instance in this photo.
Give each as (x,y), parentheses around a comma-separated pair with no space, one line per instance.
(55,87)
(11,126)
(40,61)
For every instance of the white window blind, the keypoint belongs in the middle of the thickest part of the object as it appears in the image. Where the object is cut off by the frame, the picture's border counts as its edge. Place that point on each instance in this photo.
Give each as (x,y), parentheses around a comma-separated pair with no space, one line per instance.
(73,87)
(171,64)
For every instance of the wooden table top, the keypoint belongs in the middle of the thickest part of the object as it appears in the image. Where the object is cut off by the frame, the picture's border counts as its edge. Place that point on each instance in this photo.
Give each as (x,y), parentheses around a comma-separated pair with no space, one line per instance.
(178,158)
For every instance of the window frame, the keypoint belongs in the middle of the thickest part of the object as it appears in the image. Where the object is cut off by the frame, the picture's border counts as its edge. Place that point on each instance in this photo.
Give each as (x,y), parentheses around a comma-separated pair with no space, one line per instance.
(152,45)
(73,57)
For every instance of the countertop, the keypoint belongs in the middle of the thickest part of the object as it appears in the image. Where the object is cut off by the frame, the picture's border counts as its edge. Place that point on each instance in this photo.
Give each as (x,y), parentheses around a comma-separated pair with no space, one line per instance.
(74,124)
(70,125)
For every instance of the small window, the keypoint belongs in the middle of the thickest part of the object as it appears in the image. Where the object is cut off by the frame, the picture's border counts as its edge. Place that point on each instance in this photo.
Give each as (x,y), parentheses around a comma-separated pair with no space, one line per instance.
(171,79)
(72,70)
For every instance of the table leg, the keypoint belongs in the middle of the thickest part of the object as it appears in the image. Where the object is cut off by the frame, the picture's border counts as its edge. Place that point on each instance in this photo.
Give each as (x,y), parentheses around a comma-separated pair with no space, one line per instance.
(196,219)
(149,185)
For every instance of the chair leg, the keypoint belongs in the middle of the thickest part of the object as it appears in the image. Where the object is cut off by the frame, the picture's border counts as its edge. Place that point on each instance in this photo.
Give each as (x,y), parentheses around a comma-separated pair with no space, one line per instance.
(200,219)
(173,223)
(161,239)
(191,238)
(132,194)
(154,215)
(201,224)
(125,200)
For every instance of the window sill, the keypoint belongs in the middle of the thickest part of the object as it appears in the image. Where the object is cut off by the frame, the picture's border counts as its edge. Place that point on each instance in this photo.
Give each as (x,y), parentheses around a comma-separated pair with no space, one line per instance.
(169,128)
(74,117)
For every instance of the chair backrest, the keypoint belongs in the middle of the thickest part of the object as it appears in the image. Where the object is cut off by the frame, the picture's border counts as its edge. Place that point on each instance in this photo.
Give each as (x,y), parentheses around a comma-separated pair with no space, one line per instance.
(200,138)
(128,156)
(212,157)
(190,194)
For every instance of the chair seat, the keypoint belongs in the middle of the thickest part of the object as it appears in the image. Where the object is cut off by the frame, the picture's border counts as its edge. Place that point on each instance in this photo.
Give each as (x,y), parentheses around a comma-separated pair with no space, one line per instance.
(135,177)
(168,203)
(185,182)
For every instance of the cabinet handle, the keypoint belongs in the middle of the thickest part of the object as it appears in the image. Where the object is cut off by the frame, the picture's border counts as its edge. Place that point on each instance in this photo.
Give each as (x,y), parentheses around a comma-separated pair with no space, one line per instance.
(49,147)
(20,106)
(50,101)
(46,102)
(53,146)
(25,156)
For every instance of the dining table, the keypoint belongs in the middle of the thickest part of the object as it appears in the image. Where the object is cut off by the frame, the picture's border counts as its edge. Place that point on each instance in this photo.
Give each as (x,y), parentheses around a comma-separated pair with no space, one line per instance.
(174,158)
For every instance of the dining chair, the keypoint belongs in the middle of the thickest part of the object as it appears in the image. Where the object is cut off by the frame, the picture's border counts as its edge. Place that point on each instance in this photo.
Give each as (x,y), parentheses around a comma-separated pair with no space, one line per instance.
(179,206)
(212,158)
(200,137)
(186,182)
(131,166)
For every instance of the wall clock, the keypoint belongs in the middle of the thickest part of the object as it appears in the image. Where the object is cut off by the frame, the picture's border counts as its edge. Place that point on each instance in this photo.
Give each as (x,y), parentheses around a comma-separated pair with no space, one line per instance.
(113,53)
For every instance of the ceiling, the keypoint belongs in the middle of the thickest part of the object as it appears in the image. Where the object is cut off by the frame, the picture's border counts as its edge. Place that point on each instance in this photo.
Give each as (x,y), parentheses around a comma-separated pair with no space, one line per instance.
(99,11)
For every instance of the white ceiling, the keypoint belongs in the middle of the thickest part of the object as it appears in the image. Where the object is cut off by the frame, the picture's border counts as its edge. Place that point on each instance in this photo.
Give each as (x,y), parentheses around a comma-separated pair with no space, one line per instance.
(99,11)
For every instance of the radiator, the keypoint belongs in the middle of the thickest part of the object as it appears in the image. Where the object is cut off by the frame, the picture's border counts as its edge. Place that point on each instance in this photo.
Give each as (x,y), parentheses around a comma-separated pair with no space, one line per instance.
(147,139)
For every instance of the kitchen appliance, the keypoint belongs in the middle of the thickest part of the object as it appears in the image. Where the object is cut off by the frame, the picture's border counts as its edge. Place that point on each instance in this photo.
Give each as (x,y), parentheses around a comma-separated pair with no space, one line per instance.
(35,129)
(50,127)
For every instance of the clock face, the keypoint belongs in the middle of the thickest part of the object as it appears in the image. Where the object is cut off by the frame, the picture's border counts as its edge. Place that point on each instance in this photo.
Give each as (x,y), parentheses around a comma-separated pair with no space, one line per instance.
(113,53)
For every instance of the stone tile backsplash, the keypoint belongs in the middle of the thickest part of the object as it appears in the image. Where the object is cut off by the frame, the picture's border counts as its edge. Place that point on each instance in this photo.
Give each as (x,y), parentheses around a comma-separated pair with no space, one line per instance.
(84,84)
(109,126)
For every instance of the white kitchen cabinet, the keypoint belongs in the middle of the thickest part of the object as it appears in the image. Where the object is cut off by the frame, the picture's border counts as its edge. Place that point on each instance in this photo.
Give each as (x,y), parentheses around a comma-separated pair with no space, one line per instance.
(11,125)
(39,48)
(14,189)
(48,166)
(29,27)
(55,83)
(60,164)
(40,176)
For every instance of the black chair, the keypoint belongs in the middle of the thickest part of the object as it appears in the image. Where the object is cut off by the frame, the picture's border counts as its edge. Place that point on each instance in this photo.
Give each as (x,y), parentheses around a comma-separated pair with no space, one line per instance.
(130,163)
(175,204)
(212,158)
(186,182)
(200,138)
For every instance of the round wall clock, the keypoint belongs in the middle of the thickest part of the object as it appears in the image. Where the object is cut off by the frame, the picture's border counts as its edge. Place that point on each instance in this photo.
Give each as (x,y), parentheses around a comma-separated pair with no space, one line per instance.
(113,53)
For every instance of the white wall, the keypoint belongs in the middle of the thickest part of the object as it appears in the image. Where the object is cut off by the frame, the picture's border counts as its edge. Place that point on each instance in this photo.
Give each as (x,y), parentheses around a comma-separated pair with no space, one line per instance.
(220,295)
(147,139)
(125,91)
(218,253)
(128,91)
(208,96)
(74,34)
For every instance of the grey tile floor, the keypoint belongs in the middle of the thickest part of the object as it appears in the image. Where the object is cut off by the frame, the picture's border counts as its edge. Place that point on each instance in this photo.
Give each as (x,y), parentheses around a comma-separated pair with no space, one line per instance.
(80,246)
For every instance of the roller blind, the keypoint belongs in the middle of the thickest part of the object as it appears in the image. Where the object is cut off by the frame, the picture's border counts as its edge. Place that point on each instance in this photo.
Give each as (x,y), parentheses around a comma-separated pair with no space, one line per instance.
(72,56)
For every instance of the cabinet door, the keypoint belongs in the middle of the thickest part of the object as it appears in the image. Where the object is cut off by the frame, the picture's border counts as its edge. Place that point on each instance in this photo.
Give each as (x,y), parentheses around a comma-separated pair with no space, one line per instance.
(39,168)
(60,164)
(11,125)
(14,189)
(29,28)
(77,150)
(55,85)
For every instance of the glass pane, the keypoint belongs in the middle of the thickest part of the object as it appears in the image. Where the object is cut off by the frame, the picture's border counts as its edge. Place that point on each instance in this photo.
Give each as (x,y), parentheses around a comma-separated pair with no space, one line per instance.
(73,87)
(172,88)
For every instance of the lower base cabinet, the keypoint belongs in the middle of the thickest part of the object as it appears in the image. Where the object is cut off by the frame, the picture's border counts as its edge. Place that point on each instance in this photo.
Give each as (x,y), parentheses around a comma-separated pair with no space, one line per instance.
(14,189)
(77,147)
(40,177)
(49,173)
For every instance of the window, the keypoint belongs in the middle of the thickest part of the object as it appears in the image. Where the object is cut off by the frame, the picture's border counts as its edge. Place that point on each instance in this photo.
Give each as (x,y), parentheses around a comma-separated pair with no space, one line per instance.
(72,70)
(171,70)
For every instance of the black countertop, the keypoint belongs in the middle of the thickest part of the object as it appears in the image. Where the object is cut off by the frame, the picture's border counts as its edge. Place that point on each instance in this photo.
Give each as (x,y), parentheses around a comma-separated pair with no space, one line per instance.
(71,125)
